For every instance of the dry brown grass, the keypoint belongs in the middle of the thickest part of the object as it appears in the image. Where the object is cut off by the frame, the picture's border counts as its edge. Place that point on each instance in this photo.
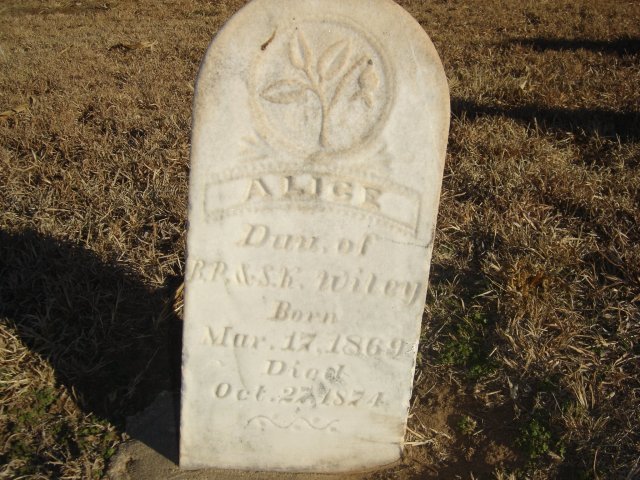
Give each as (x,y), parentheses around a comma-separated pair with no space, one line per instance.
(530,364)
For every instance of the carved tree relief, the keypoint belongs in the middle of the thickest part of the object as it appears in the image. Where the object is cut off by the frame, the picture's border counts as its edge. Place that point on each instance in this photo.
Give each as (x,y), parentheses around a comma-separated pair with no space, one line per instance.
(342,70)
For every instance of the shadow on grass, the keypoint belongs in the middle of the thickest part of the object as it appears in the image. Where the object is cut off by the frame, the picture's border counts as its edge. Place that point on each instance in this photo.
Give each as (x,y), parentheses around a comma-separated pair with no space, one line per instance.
(582,121)
(514,433)
(620,46)
(108,336)
(462,337)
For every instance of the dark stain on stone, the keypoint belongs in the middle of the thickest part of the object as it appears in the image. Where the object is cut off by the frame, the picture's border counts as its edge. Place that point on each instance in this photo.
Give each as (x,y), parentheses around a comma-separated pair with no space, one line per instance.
(264,46)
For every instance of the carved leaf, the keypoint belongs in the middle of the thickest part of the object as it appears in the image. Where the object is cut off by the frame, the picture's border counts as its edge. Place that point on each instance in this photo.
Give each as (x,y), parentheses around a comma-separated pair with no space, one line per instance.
(368,99)
(299,52)
(334,59)
(368,80)
(285,92)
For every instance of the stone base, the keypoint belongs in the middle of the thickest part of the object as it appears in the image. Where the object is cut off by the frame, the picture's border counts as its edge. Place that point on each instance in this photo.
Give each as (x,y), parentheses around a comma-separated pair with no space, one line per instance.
(152,453)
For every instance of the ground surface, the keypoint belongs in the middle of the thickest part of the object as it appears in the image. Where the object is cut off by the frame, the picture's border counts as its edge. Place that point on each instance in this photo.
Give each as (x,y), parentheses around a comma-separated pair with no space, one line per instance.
(530,363)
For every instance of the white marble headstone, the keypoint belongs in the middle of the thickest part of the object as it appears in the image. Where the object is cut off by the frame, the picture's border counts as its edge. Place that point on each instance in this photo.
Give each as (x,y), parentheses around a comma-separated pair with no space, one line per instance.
(319,138)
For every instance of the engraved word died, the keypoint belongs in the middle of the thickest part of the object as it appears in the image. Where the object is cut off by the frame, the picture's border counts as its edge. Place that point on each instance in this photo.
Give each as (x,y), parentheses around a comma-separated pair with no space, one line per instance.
(318,146)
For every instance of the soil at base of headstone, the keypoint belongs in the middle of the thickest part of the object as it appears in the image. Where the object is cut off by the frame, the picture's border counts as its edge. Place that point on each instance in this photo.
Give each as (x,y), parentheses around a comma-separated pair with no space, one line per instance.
(152,451)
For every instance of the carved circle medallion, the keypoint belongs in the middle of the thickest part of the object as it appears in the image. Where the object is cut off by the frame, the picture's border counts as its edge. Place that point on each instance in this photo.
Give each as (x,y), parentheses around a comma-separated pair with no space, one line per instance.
(320,88)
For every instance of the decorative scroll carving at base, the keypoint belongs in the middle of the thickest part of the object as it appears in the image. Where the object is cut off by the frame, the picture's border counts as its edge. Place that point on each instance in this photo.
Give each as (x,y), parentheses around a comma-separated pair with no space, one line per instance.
(298,423)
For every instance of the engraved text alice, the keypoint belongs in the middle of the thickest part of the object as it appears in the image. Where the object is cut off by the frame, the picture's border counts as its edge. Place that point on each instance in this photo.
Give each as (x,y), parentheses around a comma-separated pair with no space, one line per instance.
(306,186)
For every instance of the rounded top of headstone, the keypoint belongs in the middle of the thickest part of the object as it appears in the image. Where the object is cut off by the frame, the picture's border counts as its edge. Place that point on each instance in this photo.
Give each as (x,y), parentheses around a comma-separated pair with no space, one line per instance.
(327,80)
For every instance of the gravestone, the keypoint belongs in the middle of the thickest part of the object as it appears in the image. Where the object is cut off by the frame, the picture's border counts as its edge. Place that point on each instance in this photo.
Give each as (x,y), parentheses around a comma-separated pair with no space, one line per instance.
(319,138)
